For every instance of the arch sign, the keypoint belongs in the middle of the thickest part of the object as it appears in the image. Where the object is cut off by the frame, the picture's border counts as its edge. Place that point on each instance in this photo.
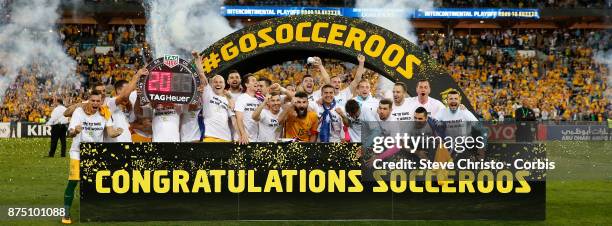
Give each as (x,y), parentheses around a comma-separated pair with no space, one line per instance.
(277,40)
(258,181)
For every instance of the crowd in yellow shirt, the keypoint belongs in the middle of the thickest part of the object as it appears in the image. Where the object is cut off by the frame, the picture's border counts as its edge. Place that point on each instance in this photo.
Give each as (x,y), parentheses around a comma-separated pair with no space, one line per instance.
(556,71)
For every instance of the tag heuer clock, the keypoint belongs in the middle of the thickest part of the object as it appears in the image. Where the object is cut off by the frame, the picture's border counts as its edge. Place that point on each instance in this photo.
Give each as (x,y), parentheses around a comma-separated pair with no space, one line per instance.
(170,80)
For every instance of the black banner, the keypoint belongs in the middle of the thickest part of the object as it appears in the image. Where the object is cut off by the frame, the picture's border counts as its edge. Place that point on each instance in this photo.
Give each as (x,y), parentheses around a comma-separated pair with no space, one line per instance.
(277,40)
(29,129)
(285,181)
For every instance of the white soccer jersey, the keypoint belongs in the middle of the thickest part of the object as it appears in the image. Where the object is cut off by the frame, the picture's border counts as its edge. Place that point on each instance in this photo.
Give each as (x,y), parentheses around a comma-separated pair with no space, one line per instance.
(190,131)
(216,114)
(93,130)
(389,127)
(369,104)
(235,95)
(120,120)
(247,105)
(132,98)
(166,124)
(313,98)
(342,97)
(355,124)
(432,105)
(106,99)
(403,112)
(457,123)
(336,131)
(269,129)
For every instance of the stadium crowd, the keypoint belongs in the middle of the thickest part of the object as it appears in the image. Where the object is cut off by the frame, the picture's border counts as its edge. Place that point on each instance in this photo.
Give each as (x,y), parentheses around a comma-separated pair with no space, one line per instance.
(555,70)
(30,96)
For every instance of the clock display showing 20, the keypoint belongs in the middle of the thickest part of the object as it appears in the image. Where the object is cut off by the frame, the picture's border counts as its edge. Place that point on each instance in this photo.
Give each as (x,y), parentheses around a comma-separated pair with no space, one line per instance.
(169,82)
(162,82)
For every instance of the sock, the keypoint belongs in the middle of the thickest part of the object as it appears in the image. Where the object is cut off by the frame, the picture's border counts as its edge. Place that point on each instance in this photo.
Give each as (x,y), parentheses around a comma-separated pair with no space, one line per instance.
(69,196)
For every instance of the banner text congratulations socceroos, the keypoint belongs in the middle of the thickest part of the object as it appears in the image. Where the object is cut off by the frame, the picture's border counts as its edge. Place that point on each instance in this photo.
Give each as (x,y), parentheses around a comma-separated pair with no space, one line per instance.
(315,181)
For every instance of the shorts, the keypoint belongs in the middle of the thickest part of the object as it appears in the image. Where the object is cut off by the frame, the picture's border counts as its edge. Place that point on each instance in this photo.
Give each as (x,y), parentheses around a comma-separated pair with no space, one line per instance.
(75,170)
(139,138)
(214,140)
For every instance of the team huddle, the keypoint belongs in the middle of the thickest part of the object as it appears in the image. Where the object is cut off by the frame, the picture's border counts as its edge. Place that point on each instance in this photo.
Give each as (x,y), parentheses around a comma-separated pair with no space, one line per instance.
(246,109)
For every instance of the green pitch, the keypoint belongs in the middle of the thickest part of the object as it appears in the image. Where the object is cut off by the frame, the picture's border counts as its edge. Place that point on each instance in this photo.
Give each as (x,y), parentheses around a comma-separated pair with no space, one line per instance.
(579,191)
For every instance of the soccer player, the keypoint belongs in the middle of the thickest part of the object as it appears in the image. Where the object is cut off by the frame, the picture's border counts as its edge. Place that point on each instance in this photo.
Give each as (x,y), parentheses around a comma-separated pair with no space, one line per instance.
(86,125)
(101,88)
(420,116)
(384,127)
(190,130)
(234,82)
(330,117)
(290,87)
(264,86)
(366,101)
(166,120)
(343,95)
(424,100)
(355,119)
(245,106)
(401,107)
(385,107)
(121,108)
(454,120)
(266,115)
(217,113)
(98,87)
(421,127)
(453,113)
(141,128)
(300,122)
(216,105)
(307,84)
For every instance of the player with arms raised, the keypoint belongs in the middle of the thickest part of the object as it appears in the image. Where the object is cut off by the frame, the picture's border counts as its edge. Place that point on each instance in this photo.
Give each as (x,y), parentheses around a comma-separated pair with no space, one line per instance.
(86,125)
(216,105)
(267,117)
(456,121)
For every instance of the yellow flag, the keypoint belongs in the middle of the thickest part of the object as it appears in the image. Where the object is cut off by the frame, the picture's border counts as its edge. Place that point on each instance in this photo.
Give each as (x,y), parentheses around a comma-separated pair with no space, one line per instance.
(105,112)
(442,155)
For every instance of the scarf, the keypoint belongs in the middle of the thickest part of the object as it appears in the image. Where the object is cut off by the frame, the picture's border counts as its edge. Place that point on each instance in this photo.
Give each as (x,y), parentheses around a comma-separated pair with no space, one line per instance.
(361,99)
(105,112)
(325,132)
(260,96)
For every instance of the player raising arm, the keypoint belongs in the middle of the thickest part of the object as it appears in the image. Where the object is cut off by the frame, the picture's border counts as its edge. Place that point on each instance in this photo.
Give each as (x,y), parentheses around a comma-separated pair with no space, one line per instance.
(120,106)
(245,106)
(266,114)
(217,106)
(86,125)
(343,95)
(299,121)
